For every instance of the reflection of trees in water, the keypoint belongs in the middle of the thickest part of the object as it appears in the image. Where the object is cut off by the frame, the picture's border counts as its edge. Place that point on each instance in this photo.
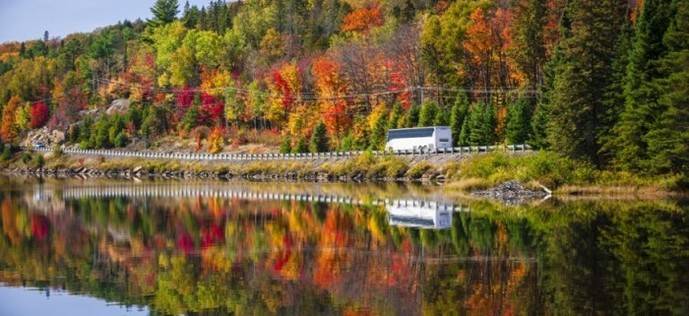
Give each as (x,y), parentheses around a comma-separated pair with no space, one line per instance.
(617,258)
(196,254)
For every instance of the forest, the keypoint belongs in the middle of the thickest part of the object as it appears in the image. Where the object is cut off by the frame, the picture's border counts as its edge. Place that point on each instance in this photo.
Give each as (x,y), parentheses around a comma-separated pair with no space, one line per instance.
(602,82)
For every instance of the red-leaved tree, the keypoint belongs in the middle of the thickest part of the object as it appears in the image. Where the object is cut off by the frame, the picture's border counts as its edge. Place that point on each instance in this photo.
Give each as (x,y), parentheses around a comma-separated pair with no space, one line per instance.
(212,109)
(39,114)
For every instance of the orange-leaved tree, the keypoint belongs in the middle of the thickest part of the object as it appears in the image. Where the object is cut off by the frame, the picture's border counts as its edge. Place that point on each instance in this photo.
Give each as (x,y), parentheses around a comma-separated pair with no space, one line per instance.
(7,129)
(331,91)
(285,90)
(363,19)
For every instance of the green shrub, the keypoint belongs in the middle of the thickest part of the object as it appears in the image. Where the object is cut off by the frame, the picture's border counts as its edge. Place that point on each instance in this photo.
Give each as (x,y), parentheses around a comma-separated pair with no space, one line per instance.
(6,153)
(389,167)
(39,161)
(418,170)
(57,151)
(26,157)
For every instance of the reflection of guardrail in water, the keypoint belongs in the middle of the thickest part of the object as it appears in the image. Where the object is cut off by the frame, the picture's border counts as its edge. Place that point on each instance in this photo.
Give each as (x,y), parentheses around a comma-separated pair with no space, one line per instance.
(161,191)
(468,150)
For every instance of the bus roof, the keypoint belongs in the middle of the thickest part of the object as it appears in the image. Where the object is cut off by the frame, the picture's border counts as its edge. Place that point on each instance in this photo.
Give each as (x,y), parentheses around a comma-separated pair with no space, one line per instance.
(413,128)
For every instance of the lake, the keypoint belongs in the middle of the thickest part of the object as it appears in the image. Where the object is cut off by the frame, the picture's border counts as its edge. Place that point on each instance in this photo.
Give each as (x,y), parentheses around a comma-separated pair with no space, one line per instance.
(102,247)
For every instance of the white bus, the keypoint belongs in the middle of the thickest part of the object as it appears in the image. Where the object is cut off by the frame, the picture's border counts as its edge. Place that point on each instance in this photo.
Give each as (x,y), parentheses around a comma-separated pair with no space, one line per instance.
(419,138)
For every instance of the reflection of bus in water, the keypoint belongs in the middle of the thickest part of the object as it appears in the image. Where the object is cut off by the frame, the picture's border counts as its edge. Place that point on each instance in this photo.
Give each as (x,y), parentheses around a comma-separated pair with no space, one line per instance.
(420,214)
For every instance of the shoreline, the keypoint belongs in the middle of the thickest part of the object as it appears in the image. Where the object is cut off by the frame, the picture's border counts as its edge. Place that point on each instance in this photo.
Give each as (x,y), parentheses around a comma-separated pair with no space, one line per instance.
(458,174)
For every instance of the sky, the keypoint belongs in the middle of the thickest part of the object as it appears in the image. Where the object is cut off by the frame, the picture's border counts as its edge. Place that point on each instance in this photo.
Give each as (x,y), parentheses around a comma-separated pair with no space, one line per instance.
(27,301)
(22,20)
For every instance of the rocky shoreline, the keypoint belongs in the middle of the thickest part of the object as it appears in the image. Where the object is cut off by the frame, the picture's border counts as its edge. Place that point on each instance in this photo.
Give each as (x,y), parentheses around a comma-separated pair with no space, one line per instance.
(512,192)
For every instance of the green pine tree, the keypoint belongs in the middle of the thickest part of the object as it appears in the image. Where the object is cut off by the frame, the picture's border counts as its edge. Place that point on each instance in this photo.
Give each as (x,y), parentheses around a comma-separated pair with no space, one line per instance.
(379,133)
(301,146)
(640,92)
(190,119)
(463,138)
(347,143)
(541,115)
(395,116)
(668,137)
(518,128)
(458,114)
(319,139)
(614,96)
(286,145)
(577,109)
(164,12)
(481,125)
(442,117)
(427,113)
(412,117)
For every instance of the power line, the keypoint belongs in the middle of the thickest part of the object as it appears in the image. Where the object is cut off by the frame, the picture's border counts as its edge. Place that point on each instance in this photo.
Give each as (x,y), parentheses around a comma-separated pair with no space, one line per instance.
(306,97)
(313,97)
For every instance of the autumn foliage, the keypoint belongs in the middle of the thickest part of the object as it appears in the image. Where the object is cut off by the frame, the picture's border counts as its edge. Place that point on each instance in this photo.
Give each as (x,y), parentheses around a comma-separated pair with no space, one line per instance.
(7,129)
(212,109)
(363,19)
(39,114)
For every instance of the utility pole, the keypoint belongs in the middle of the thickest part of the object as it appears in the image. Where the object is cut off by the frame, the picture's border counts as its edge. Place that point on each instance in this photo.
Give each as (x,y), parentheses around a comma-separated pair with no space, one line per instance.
(421,94)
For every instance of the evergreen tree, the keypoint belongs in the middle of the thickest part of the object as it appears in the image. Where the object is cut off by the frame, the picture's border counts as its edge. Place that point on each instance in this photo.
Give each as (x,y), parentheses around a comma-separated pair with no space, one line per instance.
(614,95)
(427,113)
(379,132)
(286,145)
(319,139)
(641,95)
(442,118)
(411,119)
(668,137)
(155,122)
(489,124)
(347,143)
(133,116)
(190,119)
(458,114)
(577,109)
(540,117)
(395,116)
(518,127)
(101,136)
(481,125)
(190,16)
(300,147)
(164,12)
(116,127)
(463,138)
(120,140)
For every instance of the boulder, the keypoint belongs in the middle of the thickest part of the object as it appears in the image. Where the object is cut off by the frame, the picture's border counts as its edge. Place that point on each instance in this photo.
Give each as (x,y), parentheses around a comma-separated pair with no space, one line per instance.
(43,136)
(118,106)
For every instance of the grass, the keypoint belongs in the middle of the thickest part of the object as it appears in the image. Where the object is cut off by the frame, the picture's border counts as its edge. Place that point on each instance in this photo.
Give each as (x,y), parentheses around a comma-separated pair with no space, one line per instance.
(565,176)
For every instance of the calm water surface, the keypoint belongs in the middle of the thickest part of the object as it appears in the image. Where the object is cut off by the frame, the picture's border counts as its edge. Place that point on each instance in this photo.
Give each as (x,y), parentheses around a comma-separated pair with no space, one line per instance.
(98,247)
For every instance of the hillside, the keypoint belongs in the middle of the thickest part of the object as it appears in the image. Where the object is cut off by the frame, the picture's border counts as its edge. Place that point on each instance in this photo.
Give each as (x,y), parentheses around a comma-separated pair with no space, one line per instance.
(603,82)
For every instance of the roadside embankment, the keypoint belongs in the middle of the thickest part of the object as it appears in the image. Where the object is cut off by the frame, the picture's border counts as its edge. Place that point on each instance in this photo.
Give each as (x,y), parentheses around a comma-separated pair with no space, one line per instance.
(462,173)
(364,167)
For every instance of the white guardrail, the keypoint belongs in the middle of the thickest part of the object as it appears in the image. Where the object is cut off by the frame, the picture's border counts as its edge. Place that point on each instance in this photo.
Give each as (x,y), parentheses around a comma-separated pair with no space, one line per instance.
(468,150)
